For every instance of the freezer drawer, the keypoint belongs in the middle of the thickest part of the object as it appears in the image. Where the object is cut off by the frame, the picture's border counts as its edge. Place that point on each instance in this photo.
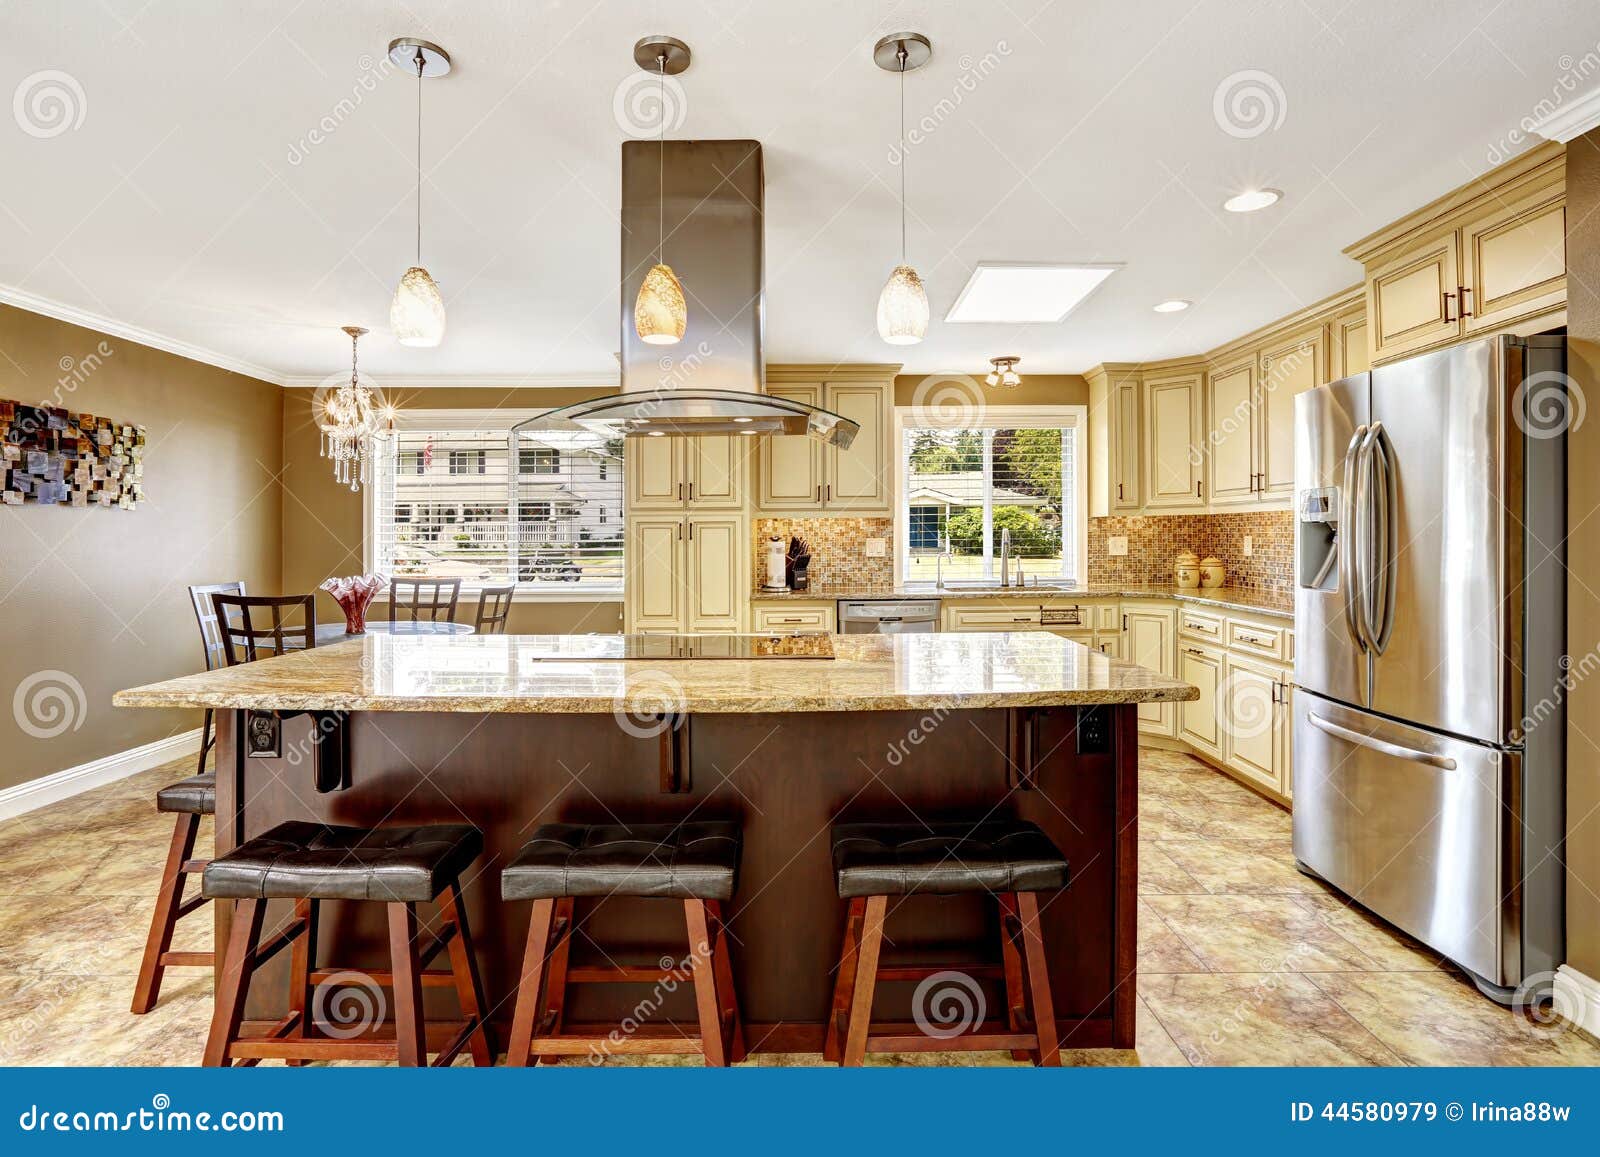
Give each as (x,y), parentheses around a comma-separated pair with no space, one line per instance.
(1410,824)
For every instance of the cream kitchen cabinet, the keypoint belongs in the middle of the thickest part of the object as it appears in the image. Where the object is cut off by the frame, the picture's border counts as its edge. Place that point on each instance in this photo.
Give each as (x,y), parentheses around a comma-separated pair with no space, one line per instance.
(1149,638)
(1292,365)
(1200,664)
(1174,436)
(1231,434)
(1514,261)
(704,472)
(1411,299)
(1347,345)
(1116,438)
(790,617)
(800,473)
(688,574)
(1255,721)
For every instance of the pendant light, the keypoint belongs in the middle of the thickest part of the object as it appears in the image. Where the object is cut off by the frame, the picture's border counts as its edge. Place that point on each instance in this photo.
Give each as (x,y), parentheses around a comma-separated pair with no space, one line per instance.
(903,304)
(660,314)
(417,313)
(350,420)
(1004,371)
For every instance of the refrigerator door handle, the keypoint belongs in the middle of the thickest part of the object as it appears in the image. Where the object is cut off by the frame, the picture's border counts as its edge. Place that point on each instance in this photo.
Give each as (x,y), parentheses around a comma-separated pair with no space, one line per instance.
(1381,459)
(1348,538)
(1443,762)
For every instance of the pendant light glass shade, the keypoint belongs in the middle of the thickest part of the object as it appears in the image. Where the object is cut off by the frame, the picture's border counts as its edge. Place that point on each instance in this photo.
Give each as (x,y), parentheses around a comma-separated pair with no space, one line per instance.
(660,314)
(417,313)
(903,308)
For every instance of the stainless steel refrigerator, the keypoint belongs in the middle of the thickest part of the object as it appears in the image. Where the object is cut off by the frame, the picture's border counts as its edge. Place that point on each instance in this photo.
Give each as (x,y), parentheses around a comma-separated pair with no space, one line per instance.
(1430,596)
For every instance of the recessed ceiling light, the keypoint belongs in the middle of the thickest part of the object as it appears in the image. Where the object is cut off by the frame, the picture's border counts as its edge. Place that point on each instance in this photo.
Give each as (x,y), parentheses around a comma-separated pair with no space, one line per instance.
(1172,306)
(1018,293)
(1252,199)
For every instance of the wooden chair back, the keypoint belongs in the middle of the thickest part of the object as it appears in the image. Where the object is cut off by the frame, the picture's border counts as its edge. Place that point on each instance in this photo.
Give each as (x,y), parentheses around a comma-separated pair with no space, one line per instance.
(247,633)
(206,615)
(423,599)
(494,608)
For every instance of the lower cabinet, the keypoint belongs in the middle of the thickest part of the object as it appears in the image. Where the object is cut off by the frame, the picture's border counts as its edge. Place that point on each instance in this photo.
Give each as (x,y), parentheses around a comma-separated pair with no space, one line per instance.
(690,575)
(1197,719)
(1255,719)
(793,618)
(1148,638)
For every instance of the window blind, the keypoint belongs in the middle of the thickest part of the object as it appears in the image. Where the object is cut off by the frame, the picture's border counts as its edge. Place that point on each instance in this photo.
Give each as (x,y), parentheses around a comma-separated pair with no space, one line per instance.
(460,503)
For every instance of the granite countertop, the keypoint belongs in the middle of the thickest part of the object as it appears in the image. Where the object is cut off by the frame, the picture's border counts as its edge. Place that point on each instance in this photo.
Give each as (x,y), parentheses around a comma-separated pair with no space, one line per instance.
(508,673)
(1279,604)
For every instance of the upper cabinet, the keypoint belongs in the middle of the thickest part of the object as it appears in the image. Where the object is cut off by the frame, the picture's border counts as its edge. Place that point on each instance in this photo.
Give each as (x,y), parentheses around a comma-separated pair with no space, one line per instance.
(1174,405)
(1347,344)
(801,473)
(1488,256)
(1290,365)
(1233,430)
(704,472)
(1116,436)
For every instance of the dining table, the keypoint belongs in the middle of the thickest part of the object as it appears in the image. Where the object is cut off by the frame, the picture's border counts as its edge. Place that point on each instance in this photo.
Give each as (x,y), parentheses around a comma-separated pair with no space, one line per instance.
(335,632)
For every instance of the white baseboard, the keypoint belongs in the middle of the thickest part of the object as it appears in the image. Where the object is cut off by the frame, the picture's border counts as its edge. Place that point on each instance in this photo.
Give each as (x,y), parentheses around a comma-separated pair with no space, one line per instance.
(1577,997)
(64,784)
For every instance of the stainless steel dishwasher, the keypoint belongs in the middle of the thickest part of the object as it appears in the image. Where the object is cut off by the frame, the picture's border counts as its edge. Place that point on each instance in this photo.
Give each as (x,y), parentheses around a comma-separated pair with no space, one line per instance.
(889,617)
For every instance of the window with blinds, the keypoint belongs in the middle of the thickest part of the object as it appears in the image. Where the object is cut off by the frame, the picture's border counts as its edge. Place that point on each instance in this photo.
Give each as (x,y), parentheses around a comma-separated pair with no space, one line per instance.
(963,489)
(462,503)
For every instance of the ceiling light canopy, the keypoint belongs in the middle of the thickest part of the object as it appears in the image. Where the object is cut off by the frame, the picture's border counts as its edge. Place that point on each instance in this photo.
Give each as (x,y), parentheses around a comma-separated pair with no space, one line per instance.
(416,315)
(1176,305)
(1252,199)
(1019,293)
(1004,371)
(903,303)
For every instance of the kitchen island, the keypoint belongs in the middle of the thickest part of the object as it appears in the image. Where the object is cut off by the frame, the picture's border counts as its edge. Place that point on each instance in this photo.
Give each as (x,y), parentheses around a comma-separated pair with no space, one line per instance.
(787,736)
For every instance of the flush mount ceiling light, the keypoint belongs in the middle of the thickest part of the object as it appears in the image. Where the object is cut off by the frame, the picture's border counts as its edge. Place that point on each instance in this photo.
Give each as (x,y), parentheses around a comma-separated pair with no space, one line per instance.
(1252,199)
(903,304)
(1020,293)
(417,313)
(660,314)
(349,421)
(1174,306)
(1004,372)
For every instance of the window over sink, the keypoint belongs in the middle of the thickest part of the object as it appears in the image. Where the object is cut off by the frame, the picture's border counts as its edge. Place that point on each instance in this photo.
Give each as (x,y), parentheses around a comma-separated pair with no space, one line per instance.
(993,470)
(453,498)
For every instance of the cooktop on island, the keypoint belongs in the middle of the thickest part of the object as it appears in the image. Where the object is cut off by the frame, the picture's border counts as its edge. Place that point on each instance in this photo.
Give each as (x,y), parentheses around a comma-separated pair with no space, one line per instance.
(817,646)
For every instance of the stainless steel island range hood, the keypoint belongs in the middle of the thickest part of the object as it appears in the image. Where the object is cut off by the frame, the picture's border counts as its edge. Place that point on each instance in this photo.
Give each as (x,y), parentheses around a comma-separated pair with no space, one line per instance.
(710,196)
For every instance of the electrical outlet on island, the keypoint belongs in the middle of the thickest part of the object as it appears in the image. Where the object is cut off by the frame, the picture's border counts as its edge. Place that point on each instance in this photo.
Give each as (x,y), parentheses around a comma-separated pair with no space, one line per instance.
(1117,545)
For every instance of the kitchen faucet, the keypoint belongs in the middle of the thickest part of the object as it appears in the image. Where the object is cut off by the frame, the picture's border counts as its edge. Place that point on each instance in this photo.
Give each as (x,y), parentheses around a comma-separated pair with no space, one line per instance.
(938,563)
(1005,556)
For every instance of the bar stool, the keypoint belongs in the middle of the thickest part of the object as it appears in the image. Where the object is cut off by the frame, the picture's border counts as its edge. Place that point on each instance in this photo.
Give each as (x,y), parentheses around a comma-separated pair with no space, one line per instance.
(188,799)
(1010,859)
(697,863)
(310,862)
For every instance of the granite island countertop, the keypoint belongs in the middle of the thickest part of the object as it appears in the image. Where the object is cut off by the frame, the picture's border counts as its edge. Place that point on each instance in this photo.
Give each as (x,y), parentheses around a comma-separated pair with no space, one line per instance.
(1278,604)
(573,674)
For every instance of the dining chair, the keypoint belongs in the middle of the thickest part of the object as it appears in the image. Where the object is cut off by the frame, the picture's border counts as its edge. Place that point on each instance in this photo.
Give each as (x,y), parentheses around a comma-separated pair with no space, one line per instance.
(248,636)
(433,599)
(211,639)
(494,608)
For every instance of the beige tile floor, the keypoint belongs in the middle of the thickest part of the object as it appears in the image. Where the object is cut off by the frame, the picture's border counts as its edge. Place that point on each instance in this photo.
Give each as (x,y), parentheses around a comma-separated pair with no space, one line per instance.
(1242,960)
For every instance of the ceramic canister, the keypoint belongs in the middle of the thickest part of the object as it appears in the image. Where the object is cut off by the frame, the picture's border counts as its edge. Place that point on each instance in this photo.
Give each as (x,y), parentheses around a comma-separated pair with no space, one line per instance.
(1212,573)
(1186,571)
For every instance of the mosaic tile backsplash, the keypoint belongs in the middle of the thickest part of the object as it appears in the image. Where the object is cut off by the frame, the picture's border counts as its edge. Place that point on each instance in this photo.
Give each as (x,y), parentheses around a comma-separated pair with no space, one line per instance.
(838,548)
(1155,540)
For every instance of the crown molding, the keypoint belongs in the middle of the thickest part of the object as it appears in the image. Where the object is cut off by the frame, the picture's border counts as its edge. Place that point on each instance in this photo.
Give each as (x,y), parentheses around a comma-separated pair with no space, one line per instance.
(1570,120)
(392,382)
(72,315)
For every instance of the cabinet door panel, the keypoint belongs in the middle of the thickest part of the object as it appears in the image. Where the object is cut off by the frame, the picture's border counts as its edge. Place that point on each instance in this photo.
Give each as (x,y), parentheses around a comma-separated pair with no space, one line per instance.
(1251,722)
(655,472)
(1291,367)
(655,574)
(1349,353)
(716,595)
(1127,487)
(1173,442)
(716,470)
(1515,261)
(1230,438)
(1406,304)
(1197,719)
(858,478)
(1149,642)
(791,465)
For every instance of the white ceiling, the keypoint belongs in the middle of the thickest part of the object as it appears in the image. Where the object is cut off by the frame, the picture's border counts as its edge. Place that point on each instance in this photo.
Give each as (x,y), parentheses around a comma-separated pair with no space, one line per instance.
(188,203)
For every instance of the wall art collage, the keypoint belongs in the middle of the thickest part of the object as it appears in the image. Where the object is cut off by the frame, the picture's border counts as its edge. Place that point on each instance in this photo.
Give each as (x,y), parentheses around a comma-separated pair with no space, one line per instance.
(55,457)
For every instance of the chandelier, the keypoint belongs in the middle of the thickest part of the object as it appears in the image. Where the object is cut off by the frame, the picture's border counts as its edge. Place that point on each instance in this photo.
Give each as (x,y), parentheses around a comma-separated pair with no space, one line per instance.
(350,421)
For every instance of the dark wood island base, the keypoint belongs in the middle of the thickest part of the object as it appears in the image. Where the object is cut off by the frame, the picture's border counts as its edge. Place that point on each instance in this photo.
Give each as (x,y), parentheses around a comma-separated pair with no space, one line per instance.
(785,777)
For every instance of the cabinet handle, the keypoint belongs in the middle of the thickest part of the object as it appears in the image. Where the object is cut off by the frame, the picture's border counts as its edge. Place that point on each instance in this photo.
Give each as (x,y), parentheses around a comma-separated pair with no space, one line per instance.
(680,492)
(1124,622)
(1119,492)
(680,532)
(691,532)
(1023,619)
(691,492)
(1197,489)
(1448,298)
(1466,307)
(827,492)
(1194,651)
(819,493)
(791,620)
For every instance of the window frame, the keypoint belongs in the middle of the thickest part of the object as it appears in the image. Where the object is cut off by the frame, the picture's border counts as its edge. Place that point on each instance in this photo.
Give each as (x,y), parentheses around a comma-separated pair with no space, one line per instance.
(480,420)
(994,417)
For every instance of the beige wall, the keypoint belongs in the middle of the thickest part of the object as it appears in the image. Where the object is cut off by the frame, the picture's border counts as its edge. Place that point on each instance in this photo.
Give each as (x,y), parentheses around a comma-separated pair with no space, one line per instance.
(99,595)
(1583,555)
(322,521)
(1035,390)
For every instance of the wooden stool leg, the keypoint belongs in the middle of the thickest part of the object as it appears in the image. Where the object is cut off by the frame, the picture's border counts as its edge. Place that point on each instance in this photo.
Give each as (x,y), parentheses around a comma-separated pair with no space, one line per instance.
(469,985)
(555,987)
(705,984)
(528,989)
(237,965)
(409,1032)
(165,917)
(302,959)
(1044,1008)
(855,1044)
(844,981)
(727,995)
(1016,990)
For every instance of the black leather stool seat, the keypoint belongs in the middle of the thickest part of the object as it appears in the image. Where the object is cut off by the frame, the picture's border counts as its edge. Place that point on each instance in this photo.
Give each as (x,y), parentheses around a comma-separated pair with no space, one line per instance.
(944,858)
(196,795)
(309,861)
(689,861)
